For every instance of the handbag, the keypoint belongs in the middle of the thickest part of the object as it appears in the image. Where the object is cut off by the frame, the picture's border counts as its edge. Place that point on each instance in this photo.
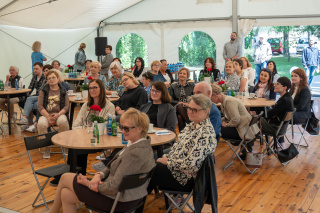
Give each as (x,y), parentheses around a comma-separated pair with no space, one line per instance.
(313,125)
(288,153)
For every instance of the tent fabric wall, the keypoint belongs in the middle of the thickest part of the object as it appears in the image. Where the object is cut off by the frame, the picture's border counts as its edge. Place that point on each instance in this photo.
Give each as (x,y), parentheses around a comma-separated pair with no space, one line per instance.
(173,33)
(53,43)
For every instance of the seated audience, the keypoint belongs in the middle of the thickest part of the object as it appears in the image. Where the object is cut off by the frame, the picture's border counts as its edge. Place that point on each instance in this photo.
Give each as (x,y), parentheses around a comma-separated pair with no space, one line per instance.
(273,68)
(210,67)
(301,96)
(179,92)
(106,62)
(236,118)
(157,76)
(232,80)
(277,113)
(251,73)
(214,115)
(147,80)
(160,112)
(122,70)
(178,169)
(139,69)
(100,191)
(97,96)
(95,68)
(31,101)
(115,83)
(264,88)
(86,71)
(165,72)
(14,75)
(134,96)
(241,74)
(53,104)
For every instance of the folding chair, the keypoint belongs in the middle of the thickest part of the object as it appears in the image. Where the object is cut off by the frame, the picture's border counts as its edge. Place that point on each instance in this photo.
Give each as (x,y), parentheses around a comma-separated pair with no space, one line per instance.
(36,142)
(301,129)
(128,182)
(280,132)
(240,145)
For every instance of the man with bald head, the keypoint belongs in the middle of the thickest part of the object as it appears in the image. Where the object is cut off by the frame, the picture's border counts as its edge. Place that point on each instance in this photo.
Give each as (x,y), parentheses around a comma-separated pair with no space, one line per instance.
(215,115)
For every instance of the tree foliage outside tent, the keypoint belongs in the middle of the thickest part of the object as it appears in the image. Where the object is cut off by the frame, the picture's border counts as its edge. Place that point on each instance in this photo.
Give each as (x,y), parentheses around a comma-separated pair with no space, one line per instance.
(129,47)
(195,47)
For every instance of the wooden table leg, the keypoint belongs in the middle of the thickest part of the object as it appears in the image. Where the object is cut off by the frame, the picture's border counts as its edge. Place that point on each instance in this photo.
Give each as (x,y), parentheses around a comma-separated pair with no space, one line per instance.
(72,160)
(9,120)
(71,114)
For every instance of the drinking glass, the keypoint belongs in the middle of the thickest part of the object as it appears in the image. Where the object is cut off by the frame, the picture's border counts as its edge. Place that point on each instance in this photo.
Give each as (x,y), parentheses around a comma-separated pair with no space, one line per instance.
(8,85)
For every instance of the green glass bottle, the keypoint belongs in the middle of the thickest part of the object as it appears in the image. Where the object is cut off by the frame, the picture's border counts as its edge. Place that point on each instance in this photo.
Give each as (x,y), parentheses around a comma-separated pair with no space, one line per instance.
(114,126)
(96,131)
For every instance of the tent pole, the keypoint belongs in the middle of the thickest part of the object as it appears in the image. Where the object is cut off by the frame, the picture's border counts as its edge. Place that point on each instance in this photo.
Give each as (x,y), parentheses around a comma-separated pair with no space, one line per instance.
(235,16)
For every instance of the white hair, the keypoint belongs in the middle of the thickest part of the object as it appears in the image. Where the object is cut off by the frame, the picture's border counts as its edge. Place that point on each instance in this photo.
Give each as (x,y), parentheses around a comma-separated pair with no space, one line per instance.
(15,68)
(207,88)
(116,64)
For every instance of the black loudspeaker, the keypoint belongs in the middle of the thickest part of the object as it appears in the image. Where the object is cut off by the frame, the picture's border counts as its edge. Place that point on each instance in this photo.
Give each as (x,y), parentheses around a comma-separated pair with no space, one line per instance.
(101,43)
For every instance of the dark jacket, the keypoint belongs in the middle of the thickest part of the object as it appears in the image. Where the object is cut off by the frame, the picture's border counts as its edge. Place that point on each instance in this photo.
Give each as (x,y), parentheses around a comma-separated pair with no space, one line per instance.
(132,98)
(283,105)
(205,186)
(34,84)
(215,72)
(166,115)
(13,80)
(46,93)
(176,89)
(302,103)
(170,75)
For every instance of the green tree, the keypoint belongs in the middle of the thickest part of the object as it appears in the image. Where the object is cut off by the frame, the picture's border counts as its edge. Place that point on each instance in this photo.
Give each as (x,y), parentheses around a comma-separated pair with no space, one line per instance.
(191,48)
(285,30)
(129,47)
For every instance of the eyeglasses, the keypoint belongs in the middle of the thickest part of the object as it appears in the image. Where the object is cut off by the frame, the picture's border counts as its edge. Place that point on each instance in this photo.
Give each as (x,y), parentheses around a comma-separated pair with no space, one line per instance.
(138,61)
(126,128)
(93,88)
(193,110)
(125,79)
(156,65)
(53,78)
(155,91)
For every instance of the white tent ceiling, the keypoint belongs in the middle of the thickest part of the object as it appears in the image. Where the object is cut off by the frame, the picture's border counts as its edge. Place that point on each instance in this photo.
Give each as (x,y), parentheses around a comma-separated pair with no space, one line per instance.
(59,14)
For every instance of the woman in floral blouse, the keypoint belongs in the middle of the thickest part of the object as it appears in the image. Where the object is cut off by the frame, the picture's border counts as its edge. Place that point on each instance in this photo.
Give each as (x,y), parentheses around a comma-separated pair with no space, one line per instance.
(178,169)
(115,83)
(232,80)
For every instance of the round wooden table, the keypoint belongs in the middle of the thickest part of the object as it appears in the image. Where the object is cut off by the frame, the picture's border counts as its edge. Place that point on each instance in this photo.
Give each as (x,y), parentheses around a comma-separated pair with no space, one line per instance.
(258,102)
(12,93)
(74,102)
(74,79)
(80,139)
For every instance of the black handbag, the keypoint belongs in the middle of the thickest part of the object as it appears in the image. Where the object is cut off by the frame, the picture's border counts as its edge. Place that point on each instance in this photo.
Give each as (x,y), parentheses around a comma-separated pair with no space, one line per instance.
(288,153)
(313,125)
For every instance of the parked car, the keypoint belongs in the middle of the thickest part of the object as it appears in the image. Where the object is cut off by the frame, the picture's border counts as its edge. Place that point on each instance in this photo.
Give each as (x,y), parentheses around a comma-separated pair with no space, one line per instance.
(276,45)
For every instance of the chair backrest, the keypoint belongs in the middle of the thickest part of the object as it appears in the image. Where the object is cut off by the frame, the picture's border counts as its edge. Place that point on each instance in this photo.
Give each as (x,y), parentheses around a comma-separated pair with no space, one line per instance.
(255,119)
(311,107)
(39,141)
(134,181)
(288,117)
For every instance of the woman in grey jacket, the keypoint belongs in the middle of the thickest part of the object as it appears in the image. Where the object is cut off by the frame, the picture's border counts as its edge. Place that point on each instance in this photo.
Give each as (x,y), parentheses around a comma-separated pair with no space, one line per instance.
(161,113)
(80,58)
(100,192)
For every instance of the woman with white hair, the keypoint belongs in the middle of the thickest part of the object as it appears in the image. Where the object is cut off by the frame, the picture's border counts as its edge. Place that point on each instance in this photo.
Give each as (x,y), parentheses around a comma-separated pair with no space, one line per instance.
(80,58)
(37,56)
(14,75)
(115,83)
(95,68)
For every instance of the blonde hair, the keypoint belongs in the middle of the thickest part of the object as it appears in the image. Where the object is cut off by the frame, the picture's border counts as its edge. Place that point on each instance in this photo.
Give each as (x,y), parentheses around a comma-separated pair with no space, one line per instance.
(230,62)
(156,62)
(186,69)
(247,60)
(116,64)
(138,119)
(216,89)
(82,45)
(130,75)
(57,73)
(36,46)
(96,63)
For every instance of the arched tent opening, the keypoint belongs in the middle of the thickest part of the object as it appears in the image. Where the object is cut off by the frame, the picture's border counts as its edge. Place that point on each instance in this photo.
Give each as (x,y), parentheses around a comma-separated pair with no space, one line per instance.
(195,47)
(131,46)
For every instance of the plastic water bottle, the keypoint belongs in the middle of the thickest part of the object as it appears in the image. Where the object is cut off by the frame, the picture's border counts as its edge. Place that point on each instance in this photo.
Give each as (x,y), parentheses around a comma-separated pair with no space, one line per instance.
(96,131)
(123,140)
(114,126)
(229,92)
(17,84)
(109,125)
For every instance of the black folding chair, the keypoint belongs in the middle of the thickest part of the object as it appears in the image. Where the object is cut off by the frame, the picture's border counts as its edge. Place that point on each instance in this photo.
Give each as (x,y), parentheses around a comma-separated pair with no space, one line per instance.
(36,142)
(128,182)
(300,128)
(240,144)
(273,145)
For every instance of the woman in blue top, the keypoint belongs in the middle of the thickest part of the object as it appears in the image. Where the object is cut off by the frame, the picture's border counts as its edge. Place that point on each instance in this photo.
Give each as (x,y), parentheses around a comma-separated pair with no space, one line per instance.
(37,56)
(80,58)
(95,68)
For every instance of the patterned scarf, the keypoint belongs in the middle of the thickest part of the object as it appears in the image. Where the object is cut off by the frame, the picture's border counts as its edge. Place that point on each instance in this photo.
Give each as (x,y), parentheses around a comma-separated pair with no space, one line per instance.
(183,97)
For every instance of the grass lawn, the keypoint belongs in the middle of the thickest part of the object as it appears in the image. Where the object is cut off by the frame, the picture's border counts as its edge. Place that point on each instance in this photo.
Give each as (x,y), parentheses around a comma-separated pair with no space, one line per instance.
(283,66)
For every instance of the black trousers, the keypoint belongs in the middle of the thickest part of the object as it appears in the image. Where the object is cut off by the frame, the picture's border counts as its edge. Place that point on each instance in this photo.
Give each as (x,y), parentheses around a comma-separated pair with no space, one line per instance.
(230,132)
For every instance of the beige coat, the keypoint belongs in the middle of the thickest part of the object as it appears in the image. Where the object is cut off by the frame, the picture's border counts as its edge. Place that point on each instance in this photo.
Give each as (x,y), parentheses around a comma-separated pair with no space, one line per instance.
(236,115)
(84,111)
(135,159)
